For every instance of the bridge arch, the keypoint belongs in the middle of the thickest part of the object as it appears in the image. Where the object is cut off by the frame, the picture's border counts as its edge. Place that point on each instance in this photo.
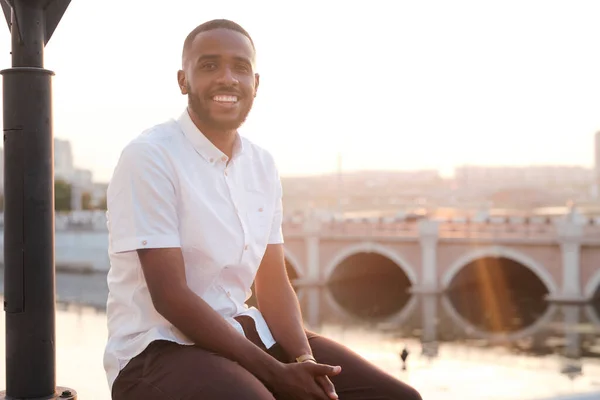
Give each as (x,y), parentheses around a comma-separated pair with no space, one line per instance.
(504,252)
(592,286)
(371,247)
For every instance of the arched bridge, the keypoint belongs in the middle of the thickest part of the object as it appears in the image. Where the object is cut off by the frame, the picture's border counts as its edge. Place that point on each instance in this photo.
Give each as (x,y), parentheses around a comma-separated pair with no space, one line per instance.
(560,256)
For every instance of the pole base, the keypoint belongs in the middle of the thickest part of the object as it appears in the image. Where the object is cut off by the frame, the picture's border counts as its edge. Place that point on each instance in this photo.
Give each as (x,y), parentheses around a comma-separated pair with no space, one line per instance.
(567,299)
(62,393)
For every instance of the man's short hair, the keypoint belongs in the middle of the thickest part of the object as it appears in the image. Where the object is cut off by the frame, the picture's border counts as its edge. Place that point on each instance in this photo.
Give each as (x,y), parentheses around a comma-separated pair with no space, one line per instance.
(214,24)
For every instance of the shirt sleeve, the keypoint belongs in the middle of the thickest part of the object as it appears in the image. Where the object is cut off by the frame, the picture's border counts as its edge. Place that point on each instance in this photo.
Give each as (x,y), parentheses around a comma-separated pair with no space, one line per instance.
(141,201)
(276,235)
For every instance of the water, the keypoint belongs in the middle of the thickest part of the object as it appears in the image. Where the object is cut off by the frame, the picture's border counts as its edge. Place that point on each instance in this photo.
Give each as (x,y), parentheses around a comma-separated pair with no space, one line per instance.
(83,250)
(525,349)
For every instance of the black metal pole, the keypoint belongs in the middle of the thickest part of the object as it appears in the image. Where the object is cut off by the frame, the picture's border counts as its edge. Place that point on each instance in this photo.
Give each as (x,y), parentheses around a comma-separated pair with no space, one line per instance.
(29,284)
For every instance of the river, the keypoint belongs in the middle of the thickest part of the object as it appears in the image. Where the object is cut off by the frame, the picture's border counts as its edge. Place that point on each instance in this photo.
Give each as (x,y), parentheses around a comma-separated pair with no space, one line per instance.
(526,351)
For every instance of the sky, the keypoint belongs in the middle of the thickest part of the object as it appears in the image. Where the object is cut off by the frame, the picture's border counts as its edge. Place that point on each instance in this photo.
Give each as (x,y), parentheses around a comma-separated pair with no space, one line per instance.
(387,84)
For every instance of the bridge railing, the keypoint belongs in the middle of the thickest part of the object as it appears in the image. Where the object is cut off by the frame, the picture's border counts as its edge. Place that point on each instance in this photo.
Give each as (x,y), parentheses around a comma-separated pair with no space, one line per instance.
(504,228)
(533,227)
(496,230)
(370,227)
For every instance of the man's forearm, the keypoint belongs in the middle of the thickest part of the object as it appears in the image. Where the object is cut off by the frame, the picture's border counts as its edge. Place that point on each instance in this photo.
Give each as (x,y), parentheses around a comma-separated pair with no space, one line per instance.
(206,328)
(279,306)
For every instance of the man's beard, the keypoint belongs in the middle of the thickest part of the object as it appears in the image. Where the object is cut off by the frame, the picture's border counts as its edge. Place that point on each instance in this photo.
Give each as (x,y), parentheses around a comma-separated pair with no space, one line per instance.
(198,106)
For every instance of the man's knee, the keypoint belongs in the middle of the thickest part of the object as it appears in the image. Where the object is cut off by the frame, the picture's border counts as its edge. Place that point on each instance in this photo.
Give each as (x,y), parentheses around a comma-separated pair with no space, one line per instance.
(397,390)
(410,393)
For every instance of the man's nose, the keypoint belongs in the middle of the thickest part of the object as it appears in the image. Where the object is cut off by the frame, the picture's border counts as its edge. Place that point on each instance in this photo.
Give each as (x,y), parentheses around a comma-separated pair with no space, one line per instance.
(227,77)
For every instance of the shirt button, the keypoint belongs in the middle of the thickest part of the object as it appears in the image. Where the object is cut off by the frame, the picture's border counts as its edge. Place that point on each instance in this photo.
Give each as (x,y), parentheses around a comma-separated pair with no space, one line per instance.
(223,158)
(228,294)
(260,209)
(246,247)
(211,160)
(144,242)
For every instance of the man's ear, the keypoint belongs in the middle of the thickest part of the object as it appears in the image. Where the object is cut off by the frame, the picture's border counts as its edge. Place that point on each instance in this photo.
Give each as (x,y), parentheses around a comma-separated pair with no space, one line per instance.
(256,82)
(182,82)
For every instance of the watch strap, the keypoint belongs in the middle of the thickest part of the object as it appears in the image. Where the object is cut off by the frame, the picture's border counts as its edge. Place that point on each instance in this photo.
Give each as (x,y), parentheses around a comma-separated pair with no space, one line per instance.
(305,357)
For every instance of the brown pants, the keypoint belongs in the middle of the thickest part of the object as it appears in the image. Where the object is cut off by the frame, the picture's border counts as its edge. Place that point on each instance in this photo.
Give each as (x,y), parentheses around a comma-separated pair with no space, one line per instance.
(169,371)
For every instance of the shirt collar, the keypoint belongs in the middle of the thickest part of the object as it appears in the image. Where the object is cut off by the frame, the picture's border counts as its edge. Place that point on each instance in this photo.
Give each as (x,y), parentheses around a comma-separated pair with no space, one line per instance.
(202,145)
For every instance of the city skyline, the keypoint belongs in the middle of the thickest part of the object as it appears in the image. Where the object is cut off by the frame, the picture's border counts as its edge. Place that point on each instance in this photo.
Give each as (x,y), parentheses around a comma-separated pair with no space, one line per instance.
(64,145)
(66,169)
(425,85)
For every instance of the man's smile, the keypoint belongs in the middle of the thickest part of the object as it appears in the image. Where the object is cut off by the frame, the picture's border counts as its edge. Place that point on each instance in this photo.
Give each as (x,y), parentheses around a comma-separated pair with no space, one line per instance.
(227,99)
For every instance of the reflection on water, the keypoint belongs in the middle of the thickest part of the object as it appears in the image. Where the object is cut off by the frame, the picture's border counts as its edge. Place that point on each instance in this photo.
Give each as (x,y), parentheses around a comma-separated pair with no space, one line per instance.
(372,298)
(527,350)
(511,323)
(521,325)
(498,295)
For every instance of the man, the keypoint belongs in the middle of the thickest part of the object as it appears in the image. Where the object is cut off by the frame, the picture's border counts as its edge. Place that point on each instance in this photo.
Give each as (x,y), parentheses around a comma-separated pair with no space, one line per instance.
(194,218)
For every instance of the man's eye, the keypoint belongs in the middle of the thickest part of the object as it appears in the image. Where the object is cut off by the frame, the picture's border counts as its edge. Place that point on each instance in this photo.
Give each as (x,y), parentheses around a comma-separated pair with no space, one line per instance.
(243,68)
(209,66)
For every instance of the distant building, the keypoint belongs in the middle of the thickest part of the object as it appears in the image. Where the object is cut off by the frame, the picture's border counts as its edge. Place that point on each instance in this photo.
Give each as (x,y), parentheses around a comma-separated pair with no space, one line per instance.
(64,168)
(83,178)
(99,193)
(501,177)
(63,160)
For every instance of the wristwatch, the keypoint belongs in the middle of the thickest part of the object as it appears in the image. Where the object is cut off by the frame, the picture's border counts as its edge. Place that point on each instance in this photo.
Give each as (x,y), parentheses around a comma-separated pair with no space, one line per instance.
(305,357)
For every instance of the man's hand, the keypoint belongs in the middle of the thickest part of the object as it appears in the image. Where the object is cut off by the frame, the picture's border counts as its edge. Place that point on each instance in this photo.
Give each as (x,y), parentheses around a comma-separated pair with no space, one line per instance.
(325,382)
(304,381)
(327,386)
(279,305)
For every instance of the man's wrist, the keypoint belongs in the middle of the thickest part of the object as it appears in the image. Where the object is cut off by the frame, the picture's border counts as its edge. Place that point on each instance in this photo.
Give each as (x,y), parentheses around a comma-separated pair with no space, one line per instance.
(269,370)
(305,357)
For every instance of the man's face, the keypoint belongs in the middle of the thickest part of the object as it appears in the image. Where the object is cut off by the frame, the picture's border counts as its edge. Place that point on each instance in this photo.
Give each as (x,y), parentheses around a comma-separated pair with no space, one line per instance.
(219,78)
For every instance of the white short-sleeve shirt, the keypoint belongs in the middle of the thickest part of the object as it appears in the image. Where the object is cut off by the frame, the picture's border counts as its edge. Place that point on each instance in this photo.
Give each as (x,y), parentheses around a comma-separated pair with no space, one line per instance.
(173,188)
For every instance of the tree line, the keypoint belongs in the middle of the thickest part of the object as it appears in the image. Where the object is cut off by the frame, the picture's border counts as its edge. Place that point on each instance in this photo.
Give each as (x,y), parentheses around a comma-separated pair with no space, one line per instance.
(63,197)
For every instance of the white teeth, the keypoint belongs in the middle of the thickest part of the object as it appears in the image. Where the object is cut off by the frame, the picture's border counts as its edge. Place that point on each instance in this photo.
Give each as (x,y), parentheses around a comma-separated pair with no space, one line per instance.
(225,99)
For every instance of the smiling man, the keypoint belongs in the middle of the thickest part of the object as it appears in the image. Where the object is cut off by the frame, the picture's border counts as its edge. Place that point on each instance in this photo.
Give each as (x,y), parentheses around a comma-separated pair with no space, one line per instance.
(194,218)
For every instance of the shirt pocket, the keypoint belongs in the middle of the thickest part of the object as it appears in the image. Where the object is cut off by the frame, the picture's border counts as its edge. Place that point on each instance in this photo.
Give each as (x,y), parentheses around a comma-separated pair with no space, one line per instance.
(258,206)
